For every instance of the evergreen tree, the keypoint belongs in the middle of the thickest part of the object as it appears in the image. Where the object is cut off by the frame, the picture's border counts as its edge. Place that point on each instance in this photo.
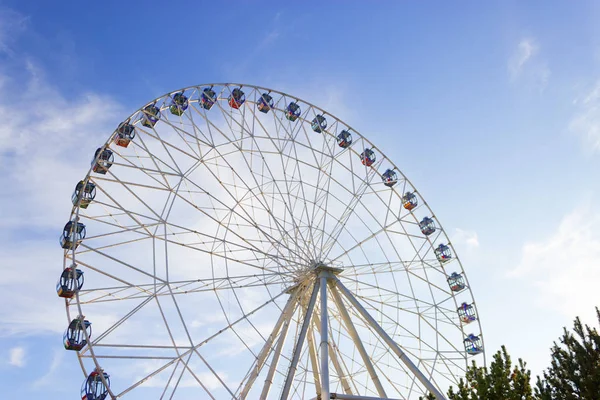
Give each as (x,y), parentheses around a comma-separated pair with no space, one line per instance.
(574,373)
(500,382)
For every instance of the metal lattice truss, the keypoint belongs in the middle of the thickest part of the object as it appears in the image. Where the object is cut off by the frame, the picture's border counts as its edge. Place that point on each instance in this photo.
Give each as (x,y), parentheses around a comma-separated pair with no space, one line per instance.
(214,233)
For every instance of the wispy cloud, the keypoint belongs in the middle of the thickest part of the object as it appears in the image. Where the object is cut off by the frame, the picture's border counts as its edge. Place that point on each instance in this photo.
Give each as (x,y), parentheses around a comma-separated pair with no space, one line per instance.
(16,357)
(12,24)
(564,267)
(271,36)
(526,49)
(525,64)
(268,39)
(262,43)
(50,376)
(46,142)
(468,238)
(586,122)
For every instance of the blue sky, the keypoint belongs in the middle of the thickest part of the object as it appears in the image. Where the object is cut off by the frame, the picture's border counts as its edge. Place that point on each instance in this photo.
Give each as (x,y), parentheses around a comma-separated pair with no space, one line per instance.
(491,109)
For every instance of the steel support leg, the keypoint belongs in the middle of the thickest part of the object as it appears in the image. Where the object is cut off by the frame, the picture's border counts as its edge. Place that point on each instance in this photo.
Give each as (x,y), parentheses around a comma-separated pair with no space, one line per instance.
(313,361)
(357,342)
(298,349)
(389,341)
(274,361)
(324,347)
(262,356)
(337,365)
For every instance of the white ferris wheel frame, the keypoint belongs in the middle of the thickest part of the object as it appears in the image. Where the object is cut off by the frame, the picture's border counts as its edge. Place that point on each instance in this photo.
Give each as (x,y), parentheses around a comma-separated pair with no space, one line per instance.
(323,284)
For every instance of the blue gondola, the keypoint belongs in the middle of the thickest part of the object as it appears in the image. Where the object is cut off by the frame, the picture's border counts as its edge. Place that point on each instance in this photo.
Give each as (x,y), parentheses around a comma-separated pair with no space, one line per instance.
(427,226)
(125,134)
(344,139)
(265,103)
(456,282)
(93,387)
(70,281)
(466,313)
(368,157)
(73,235)
(473,344)
(150,115)
(292,111)
(208,98)
(102,161)
(74,337)
(84,194)
(443,253)
(389,177)
(237,98)
(179,103)
(409,201)
(319,123)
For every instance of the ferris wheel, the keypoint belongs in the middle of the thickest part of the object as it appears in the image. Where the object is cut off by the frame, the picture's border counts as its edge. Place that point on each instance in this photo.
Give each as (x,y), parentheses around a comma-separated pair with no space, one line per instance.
(240,243)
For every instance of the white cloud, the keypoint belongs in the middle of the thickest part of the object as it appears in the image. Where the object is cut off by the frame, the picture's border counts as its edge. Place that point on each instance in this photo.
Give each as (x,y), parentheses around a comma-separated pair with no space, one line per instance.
(526,49)
(525,64)
(12,24)
(46,142)
(586,122)
(468,238)
(16,357)
(563,268)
